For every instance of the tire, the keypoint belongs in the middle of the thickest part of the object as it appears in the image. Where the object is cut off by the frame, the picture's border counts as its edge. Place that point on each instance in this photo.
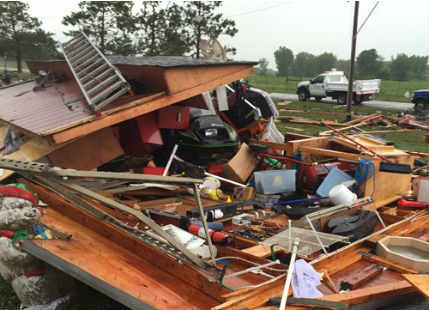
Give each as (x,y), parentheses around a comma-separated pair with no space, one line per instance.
(318,99)
(303,95)
(420,107)
(342,99)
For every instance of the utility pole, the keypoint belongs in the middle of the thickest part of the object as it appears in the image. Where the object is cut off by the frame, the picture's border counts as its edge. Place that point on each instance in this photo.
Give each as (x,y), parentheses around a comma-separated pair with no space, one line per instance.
(352,62)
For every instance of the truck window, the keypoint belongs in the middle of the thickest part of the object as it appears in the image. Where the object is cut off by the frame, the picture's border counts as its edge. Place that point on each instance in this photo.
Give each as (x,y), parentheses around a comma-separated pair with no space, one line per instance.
(318,79)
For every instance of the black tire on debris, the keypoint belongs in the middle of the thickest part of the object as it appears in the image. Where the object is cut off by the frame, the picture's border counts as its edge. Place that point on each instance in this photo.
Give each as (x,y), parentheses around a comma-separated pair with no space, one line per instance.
(303,95)
(342,99)
(420,107)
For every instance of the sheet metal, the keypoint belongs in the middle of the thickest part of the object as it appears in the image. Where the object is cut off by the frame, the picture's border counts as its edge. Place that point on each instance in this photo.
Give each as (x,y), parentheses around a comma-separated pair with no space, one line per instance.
(43,110)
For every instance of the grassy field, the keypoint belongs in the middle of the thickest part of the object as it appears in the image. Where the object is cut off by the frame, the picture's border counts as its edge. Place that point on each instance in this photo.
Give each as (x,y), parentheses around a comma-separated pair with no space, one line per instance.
(412,140)
(390,90)
(11,64)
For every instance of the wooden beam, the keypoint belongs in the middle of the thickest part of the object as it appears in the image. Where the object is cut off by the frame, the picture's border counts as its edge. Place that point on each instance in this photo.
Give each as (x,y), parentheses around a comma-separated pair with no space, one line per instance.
(387,263)
(156,104)
(330,153)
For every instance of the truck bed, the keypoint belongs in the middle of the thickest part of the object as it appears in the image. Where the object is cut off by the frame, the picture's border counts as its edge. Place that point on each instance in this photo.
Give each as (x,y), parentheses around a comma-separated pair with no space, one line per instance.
(361,87)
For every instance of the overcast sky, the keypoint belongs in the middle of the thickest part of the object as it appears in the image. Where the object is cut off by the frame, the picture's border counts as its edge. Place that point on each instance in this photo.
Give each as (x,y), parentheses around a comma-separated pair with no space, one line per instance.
(315,26)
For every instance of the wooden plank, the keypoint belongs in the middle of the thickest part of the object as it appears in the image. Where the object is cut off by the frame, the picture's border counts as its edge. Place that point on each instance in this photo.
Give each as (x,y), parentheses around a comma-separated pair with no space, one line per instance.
(362,119)
(121,107)
(419,281)
(156,104)
(85,277)
(170,265)
(330,153)
(387,263)
(89,152)
(260,250)
(362,276)
(183,78)
(367,294)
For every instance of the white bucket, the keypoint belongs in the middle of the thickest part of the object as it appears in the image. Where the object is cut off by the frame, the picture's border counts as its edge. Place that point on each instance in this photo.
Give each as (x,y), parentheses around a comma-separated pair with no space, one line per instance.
(341,195)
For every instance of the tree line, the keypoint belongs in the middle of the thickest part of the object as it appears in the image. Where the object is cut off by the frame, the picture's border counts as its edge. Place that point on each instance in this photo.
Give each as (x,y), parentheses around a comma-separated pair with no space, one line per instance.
(369,65)
(156,29)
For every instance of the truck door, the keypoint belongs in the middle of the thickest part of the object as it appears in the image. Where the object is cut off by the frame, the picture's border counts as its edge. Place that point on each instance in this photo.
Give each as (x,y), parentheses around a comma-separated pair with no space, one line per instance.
(317,87)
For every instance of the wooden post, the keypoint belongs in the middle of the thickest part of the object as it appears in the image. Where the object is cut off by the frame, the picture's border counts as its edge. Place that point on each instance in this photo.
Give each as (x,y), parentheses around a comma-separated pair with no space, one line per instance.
(352,62)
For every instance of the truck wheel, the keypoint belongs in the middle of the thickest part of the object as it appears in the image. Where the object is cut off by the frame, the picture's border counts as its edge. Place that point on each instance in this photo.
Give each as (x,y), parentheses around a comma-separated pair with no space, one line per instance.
(302,95)
(420,107)
(318,99)
(342,99)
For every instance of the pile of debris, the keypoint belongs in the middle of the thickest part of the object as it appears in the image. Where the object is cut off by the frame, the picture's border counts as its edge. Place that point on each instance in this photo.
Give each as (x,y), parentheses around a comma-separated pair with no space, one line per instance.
(164,183)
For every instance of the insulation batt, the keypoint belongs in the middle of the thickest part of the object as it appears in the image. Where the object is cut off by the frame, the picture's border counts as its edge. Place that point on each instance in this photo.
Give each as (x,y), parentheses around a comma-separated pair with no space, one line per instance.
(17,213)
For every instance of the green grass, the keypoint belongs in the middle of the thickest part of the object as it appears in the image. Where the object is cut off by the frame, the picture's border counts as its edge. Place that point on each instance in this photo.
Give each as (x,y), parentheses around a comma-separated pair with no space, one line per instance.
(413,140)
(390,90)
(12,64)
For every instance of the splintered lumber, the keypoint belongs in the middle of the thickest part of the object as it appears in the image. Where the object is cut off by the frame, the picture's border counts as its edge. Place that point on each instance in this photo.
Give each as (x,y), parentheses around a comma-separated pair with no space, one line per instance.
(419,281)
(286,102)
(329,132)
(301,120)
(363,119)
(386,263)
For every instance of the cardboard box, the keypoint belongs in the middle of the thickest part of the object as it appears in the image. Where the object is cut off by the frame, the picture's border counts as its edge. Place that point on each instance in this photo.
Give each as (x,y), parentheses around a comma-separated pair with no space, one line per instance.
(241,166)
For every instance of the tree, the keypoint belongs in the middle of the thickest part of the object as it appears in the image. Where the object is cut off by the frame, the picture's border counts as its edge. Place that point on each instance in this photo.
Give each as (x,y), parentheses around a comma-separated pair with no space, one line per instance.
(201,21)
(15,25)
(399,68)
(110,23)
(325,62)
(160,31)
(369,64)
(343,65)
(284,61)
(304,65)
(417,65)
(262,67)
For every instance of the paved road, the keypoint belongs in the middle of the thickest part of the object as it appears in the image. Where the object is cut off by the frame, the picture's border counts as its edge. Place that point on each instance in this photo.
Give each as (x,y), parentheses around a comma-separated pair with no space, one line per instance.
(387,105)
(16,69)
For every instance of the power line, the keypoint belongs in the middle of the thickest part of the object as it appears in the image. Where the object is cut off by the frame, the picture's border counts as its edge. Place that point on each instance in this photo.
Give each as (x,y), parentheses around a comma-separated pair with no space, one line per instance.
(261,9)
(366,19)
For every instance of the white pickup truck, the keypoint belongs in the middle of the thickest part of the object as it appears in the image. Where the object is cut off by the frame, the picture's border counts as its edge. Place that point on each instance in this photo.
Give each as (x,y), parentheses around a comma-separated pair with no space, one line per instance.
(334,84)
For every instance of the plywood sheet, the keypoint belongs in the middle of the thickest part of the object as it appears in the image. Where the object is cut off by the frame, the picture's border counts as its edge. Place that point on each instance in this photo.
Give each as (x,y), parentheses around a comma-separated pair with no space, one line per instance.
(88,152)
(419,281)
(32,150)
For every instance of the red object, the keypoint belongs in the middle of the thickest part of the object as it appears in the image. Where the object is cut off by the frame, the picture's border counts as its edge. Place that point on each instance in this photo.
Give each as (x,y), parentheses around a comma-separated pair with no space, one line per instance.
(13,191)
(310,177)
(153,170)
(6,234)
(174,117)
(34,272)
(412,204)
(140,136)
(216,236)
(215,169)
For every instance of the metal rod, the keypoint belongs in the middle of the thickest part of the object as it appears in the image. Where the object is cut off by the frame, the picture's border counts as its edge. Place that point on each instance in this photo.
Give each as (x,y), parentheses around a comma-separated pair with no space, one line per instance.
(289,222)
(231,275)
(369,15)
(203,219)
(223,179)
(316,234)
(379,218)
(352,62)
(170,160)
(289,275)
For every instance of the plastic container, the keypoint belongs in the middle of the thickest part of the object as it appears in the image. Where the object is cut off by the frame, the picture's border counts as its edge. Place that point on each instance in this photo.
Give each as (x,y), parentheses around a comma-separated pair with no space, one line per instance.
(341,195)
(275,181)
(334,177)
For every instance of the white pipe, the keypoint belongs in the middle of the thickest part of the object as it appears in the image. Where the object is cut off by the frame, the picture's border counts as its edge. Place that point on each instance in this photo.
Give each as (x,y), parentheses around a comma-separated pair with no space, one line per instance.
(289,275)
(223,179)
(170,160)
